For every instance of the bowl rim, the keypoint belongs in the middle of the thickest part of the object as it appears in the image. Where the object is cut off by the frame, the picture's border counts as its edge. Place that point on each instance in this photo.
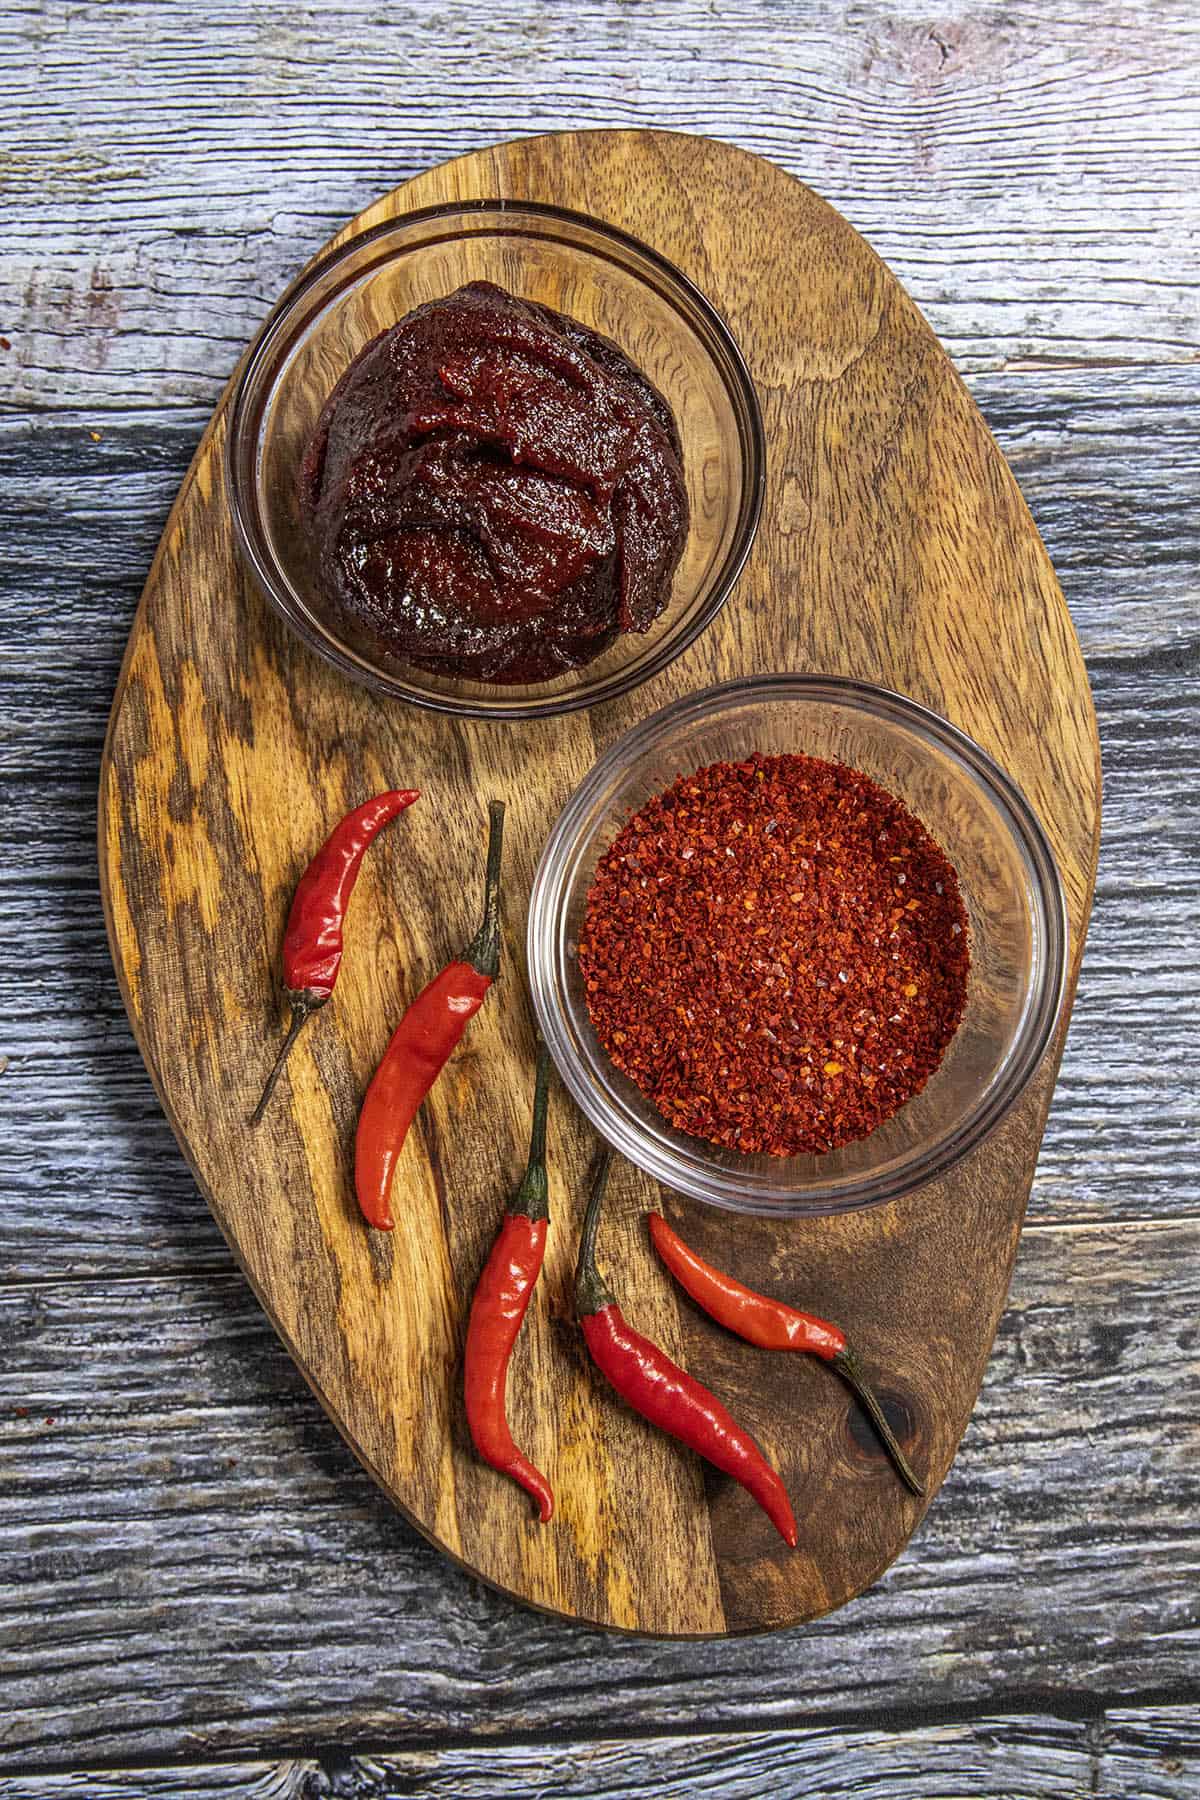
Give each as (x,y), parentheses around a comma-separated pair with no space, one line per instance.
(243,421)
(938,1155)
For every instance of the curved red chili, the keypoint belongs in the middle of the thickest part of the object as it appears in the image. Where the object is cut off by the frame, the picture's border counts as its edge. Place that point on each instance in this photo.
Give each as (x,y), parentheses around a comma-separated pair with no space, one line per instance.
(421,1043)
(768,1323)
(660,1390)
(774,1326)
(312,941)
(498,1310)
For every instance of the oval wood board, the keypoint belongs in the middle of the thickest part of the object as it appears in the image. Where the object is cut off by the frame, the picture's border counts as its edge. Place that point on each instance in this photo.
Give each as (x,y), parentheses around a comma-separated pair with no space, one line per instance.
(894,546)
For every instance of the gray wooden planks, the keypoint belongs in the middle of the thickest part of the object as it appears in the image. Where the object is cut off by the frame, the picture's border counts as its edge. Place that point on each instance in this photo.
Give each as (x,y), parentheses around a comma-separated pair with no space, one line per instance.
(193,1558)
(1129,1070)
(1031,178)
(1149,1752)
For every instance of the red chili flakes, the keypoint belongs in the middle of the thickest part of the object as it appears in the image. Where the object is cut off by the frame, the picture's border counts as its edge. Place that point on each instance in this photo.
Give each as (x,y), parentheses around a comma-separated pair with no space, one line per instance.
(776,953)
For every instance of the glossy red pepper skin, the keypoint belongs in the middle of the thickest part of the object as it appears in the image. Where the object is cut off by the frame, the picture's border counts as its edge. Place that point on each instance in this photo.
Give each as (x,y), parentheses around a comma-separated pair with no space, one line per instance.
(768,1323)
(661,1391)
(499,1307)
(497,1314)
(668,1396)
(772,1325)
(312,940)
(420,1045)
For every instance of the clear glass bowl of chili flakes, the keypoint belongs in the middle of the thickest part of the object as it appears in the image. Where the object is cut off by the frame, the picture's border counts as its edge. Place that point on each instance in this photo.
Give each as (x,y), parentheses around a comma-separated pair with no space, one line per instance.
(796,944)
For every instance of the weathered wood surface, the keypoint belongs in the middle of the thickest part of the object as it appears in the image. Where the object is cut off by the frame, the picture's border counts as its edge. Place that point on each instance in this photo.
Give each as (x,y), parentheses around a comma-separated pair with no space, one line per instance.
(189,1509)
(1152,1754)
(1030,178)
(1061,146)
(1134,603)
(920,569)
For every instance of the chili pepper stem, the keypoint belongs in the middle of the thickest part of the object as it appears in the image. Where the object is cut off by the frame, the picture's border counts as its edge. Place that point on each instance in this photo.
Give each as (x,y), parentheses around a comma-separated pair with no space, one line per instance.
(532,1198)
(483,952)
(849,1367)
(591,1295)
(656,1387)
(304,1005)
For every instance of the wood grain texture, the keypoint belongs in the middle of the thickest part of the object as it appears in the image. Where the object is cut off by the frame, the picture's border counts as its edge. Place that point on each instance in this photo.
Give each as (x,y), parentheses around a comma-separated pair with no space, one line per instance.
(1127,556)
(1150,1753)
(1029,174)
(194,1562)
(229,741)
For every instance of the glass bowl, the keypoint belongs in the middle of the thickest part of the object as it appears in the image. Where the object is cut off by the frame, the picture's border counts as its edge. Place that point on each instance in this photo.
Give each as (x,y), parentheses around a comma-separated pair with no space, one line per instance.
(1010,886)
(576,265)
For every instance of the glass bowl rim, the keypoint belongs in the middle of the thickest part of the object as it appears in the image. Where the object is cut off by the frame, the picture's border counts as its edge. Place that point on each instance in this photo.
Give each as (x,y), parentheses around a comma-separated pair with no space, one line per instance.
(935,1157)
(251,537)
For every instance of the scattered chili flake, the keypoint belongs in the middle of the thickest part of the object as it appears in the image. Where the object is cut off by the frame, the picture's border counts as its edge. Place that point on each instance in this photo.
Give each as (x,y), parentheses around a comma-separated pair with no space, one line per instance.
(748,961)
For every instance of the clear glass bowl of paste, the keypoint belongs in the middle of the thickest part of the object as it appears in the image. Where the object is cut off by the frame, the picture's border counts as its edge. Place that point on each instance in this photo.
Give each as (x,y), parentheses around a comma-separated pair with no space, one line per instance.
(575,265)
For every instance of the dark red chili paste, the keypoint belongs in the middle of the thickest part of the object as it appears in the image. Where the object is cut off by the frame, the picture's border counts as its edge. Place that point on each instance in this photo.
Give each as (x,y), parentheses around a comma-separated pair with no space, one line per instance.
(494,491)
(775,952)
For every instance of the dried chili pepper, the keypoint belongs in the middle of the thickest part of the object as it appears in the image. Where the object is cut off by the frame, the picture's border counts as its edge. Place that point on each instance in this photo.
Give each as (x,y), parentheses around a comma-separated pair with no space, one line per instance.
(421,1043)
(774,1326)
(498,1309)
(775,952)
(312,942)
(660,1390)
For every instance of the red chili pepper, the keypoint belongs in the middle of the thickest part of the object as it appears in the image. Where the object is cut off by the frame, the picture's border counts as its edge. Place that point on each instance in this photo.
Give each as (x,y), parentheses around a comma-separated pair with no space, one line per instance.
(421,1043)
(498,1310)
(660,1390)
(773,1326)
(312,942)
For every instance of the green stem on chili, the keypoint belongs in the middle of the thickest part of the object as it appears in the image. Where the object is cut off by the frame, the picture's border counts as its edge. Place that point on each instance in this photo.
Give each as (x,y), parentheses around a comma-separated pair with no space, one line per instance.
(662,1392)
(483,951)
(303,1007)
(773,1325)
(849,1367)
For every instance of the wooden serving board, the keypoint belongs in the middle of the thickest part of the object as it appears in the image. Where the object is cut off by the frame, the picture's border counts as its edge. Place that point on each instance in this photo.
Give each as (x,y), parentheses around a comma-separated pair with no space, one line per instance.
(894,546)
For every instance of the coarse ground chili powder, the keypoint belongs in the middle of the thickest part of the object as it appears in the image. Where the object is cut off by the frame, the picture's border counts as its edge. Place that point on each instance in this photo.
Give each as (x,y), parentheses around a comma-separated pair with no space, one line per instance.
(775,952)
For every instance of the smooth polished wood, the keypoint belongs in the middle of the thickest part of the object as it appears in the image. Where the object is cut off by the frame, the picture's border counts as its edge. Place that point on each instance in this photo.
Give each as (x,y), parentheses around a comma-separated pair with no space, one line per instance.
(892,513)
